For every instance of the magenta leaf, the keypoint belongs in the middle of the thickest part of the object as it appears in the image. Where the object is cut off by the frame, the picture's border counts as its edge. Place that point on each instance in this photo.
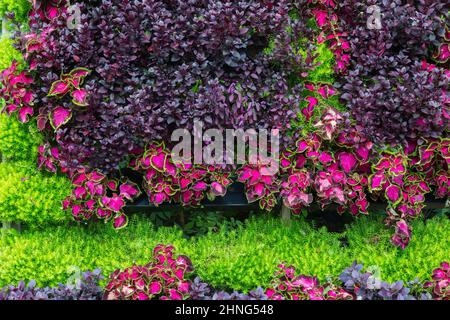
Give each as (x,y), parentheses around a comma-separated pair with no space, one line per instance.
(59,88)
(347,161)
(129,190)
(376,181)
(24,113)
(394,194)
(155,288)
(59,117)
(120,221)
(79,97)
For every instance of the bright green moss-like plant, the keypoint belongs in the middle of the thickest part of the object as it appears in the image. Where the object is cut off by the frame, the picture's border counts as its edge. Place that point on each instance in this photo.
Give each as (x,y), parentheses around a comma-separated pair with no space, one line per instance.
(242,259)
(31,197)
(20,8)
(18,141)
(369,243)
(8,53)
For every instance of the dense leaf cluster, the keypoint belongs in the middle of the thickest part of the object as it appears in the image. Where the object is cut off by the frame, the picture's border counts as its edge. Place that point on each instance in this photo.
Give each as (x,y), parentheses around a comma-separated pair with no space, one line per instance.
(391,91)
(161,65)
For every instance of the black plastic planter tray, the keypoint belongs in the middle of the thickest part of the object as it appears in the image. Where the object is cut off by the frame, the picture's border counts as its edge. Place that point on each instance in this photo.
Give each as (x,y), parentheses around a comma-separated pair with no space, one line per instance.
(235,200)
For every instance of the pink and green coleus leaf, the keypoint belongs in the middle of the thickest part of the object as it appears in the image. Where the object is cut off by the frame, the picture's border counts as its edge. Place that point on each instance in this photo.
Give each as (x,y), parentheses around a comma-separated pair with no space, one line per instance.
(129,190)
(59,117)
(59,88)
(347,161)
(394,194)
(218,189)
(24,113)
(80,97)
(377,181)
(155,288)
(120,221)
(158,161)
(398,166)
(77,76)
(115,203)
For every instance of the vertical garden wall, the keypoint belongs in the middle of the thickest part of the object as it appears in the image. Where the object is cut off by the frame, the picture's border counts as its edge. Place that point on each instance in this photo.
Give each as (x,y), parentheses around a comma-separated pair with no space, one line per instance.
(355,92)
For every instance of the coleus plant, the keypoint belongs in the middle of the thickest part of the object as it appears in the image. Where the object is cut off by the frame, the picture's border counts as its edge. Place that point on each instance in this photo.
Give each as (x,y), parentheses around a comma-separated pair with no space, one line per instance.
(232,81)
(260,182)
(181,182)
(165,277)
(440,283)
(14,90)
(404,179)
(327,20)
(288,286)
(96,195)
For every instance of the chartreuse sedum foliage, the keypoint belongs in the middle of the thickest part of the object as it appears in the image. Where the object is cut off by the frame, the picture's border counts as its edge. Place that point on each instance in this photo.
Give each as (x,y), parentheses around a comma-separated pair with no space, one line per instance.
(18,141)
(31,197)
(20,8)
(369,241)
(8,53)
(248,256)
(242,259)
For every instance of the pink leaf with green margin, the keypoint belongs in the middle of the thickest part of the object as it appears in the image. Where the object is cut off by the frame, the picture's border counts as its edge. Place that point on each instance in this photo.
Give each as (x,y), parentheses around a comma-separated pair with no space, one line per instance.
(10,108)
(321,17)
(175,295)
(142,296)
(129,190)
(77,76)
(325,158)
(80,193)
(102,213)
(259,189)
(363,153)
(394,194)
(24,113)
(96,176)
(79,97)
(59,88)
(302,146)
(383,164)
(347,161)
(218,189)
(115,203)
(376,181)
(120,222)
(200,186)
(158,198)
(183,287)
(76,210)
(157,161)
(90,204)
(112,185)
(155,288)
(59,117)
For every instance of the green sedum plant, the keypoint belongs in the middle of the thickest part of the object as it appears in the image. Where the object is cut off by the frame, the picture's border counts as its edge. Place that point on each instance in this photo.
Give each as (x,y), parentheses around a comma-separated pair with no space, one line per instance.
(20,8)
(8,53)
(241,259)
(369,243)
(31,197)
(18,142)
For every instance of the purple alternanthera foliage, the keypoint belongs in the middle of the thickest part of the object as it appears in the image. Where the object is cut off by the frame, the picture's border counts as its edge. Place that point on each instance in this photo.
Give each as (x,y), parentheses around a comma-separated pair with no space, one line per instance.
(161,65)
(392,89)
(86,288)
(202,291)
(367,286)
